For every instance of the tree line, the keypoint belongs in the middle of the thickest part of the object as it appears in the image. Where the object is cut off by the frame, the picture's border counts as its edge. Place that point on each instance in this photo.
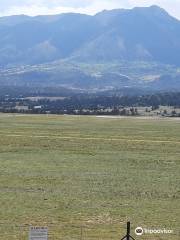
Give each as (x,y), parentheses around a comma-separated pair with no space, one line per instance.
(91,103)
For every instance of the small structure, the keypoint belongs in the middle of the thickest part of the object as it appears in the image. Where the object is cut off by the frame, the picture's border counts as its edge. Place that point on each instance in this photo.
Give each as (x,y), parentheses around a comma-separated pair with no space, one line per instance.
(37,107)
(21,108)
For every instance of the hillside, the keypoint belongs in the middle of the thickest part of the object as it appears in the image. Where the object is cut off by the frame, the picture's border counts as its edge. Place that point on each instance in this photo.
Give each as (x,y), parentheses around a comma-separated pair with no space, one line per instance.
(139,76)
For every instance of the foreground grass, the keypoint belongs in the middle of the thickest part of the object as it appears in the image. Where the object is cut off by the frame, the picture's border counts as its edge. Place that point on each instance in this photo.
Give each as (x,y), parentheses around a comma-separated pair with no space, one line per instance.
(69,172)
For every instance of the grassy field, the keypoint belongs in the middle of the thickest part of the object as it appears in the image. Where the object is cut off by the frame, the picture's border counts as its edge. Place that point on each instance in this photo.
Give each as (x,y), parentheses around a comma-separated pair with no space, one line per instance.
(89,175)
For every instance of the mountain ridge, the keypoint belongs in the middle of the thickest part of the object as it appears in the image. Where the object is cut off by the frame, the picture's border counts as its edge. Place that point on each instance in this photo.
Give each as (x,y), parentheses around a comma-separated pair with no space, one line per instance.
(111,35)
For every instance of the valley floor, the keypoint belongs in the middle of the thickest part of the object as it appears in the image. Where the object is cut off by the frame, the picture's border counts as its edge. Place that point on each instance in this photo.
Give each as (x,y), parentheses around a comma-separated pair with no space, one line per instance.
(84,177)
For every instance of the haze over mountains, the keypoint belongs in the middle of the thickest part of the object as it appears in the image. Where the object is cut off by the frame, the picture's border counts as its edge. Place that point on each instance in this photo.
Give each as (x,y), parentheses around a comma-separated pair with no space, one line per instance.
(137,35)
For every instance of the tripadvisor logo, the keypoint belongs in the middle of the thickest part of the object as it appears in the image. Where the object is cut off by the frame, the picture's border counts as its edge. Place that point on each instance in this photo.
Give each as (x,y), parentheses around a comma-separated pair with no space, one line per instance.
(140,231)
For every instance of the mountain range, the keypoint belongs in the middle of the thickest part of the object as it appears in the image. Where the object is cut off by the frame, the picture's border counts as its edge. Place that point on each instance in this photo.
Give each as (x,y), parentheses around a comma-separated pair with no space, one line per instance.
(149,34)
(139,35)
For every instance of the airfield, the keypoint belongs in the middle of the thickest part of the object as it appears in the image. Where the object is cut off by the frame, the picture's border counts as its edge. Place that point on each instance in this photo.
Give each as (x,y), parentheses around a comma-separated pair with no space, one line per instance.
(84,177)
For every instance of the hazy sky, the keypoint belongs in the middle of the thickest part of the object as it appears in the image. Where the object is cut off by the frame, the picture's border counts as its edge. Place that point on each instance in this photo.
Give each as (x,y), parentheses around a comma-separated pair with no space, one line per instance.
(36,7)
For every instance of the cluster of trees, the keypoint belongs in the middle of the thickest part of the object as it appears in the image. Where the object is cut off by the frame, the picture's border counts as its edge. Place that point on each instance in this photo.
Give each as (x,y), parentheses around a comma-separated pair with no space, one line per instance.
(24,91)
(95,102)
(90,104)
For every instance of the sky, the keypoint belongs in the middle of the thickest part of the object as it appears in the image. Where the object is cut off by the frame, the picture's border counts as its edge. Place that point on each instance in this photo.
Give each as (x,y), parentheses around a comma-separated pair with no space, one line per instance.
(43,7)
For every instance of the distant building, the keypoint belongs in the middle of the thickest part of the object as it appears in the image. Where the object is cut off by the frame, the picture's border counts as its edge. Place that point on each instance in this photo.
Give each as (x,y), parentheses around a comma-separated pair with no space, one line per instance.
(21,108)
(37,107)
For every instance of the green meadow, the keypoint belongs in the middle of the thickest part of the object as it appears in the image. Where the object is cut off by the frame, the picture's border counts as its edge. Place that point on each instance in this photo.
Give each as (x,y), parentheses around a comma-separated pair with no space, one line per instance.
(85,177)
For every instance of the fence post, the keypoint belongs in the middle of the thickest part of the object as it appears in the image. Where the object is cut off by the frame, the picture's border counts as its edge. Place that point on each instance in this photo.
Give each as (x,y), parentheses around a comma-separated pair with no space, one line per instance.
(128,230)
(128,236)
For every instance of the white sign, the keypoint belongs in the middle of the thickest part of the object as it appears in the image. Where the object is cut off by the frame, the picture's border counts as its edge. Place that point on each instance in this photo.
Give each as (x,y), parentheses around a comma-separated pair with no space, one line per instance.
(38,233)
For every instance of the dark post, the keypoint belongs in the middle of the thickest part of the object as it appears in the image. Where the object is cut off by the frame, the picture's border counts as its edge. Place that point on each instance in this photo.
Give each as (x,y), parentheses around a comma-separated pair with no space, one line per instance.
(128,230)
(128,236)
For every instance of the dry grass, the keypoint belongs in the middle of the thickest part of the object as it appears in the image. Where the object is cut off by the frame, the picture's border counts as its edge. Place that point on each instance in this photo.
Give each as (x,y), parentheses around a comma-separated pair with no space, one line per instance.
(66,172)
